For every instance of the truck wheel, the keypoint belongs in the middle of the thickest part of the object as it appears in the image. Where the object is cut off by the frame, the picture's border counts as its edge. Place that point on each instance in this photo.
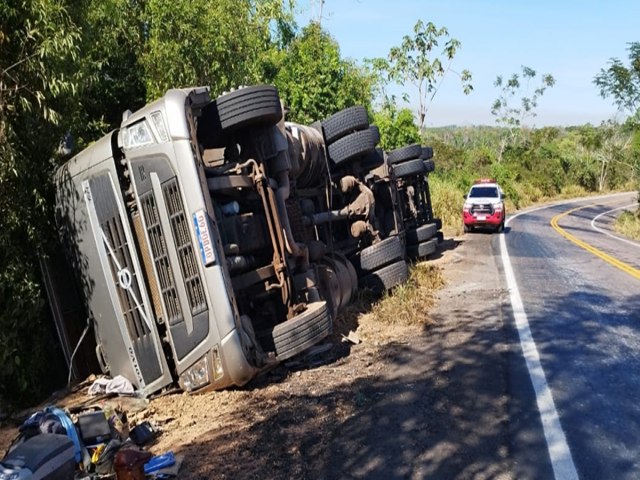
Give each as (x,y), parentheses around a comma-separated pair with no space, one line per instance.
(466,228)
(386,278)
(351,271)
(500,227)
(376,133)
(405,153)
(354,145)
(427,153)
(257,105)
(407,169)
(250,106)
(429,165)
(422,250)
(378,255)
(421,234)
(372,161)
(344,122)
(438,223)
(302,331)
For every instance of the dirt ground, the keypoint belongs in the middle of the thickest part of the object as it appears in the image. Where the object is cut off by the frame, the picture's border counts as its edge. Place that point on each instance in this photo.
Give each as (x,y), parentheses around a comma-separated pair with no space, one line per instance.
(408,401)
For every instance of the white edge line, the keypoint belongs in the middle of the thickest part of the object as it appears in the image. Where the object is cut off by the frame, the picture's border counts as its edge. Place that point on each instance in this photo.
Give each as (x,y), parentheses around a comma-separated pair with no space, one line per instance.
(559,452)
(598,229)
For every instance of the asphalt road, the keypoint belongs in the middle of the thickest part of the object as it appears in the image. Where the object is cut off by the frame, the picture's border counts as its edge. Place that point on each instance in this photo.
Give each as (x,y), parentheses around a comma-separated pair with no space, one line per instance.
(580,292)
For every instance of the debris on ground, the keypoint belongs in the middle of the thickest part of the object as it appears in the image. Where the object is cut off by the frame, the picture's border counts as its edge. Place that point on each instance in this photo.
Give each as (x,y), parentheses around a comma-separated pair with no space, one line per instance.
(85,442)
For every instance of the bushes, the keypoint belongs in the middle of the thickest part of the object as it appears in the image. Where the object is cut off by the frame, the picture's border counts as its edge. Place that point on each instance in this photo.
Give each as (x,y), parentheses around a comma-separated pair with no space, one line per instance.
(544,164)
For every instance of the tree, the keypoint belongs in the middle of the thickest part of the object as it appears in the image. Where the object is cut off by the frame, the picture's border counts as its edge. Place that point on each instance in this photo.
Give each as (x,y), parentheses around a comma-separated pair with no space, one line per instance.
(622,82)
(511,113)
(39,44)
(111,75)
(416,62)
(221,43)
(397,127)
(315,81)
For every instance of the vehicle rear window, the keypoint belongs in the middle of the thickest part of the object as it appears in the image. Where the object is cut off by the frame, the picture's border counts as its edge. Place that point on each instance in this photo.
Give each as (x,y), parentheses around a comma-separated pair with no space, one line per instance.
(477,192)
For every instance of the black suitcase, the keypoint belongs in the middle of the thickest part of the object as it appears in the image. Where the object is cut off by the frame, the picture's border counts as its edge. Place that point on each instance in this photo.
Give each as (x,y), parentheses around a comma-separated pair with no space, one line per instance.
(42,457)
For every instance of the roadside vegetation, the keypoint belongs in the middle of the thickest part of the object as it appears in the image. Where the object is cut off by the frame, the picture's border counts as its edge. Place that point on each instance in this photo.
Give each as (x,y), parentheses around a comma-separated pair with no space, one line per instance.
(628,224)
(546,164)
(69,69)
(410,302)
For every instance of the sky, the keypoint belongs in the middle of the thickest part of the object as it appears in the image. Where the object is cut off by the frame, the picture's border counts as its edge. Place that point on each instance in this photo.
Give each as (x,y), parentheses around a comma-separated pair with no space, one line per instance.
(571,40)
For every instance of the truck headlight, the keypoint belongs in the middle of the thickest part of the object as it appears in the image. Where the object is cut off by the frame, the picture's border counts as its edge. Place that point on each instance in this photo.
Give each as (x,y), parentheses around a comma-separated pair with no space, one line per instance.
(196,376)
(136,135)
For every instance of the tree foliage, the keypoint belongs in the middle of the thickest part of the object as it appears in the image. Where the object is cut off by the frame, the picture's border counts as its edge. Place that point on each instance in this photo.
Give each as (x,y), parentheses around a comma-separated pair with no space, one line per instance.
(397,127)
(518,101)
(220,43)
(511,112)
(109,64)
(621,82)
(39,44)
(315,81)
(416,61)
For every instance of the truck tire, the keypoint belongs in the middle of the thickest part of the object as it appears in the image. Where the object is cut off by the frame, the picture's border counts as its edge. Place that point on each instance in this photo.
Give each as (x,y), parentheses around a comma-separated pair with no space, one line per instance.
(372,161)
(382,253)
(421,234)
(345,122)
(427,153)
(302,331)
(250,106)
(354,145)
(407,169)
(386,278)
(430,166)
(422,250)
(438,223)
(376,133)
(258,105)
(404,153)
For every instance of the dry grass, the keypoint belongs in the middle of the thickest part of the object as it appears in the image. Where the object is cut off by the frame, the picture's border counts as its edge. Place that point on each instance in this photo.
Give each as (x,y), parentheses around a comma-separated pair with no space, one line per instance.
(409,303)
(628,224)
(447,199)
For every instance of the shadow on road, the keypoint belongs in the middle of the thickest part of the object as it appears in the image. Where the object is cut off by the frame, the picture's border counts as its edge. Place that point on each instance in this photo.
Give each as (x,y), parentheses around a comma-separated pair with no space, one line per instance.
(433,407)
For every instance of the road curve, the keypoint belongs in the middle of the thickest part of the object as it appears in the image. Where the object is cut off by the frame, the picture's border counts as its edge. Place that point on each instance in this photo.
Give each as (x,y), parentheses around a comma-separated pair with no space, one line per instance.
(579,284)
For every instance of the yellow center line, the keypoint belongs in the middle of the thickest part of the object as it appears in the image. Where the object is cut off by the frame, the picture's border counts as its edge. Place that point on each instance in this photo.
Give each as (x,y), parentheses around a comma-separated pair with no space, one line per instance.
(634,272)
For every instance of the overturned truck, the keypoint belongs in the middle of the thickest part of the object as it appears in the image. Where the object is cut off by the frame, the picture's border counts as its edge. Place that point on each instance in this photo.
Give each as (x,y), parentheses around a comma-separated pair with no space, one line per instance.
(211,239)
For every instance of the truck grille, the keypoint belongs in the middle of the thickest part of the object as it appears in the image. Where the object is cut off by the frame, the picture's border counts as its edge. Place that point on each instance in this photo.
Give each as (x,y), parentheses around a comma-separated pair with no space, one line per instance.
(482,208)
(161,259)
(186,254)
(130,298)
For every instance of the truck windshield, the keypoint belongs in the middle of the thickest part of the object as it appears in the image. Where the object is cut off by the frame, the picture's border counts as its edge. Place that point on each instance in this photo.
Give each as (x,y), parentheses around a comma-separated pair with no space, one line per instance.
(478,192)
